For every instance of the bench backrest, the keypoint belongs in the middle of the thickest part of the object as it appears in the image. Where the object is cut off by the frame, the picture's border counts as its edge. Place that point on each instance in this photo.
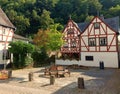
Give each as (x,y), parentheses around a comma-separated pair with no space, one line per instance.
(53,68)
(60,68)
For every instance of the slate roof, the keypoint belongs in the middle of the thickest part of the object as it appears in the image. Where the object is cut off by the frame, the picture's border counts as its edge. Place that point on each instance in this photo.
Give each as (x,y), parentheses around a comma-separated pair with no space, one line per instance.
(4,20)
(112,22)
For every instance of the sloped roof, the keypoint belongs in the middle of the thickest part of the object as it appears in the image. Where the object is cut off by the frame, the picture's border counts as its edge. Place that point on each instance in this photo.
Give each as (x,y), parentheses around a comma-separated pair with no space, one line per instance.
(82,26)
(4,20)
(112,22)
(15,36)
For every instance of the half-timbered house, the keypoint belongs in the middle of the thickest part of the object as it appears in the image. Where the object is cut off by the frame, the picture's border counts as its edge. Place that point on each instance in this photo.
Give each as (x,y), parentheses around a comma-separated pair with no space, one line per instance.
(6,34)
(71,47)
(98,43)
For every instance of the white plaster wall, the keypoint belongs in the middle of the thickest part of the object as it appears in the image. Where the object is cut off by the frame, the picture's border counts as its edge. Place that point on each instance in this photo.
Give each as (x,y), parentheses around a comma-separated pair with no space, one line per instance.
(1,58)
(109,59)
(3,37)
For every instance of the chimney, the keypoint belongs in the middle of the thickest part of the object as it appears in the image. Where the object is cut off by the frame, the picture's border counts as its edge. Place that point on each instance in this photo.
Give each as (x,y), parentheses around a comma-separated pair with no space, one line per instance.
(69,16)
(102,17)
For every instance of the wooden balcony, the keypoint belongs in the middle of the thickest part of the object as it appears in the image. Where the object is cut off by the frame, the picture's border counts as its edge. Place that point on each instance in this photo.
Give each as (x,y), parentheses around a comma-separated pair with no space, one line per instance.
(70,50)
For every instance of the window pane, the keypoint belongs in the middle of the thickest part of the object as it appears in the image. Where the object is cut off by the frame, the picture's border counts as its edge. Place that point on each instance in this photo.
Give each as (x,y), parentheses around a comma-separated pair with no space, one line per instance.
(70,31)
(96,25)
(89,58)
(103,41)
(73,44)
(91,42)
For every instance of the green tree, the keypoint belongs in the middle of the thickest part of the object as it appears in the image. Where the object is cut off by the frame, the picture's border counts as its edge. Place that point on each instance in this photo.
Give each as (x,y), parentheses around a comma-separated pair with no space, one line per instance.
(89,18)
(55,38)
(65,9)
(41,38)
(114,10)
(50,40)
(40,56)
(94,6)
(45,19)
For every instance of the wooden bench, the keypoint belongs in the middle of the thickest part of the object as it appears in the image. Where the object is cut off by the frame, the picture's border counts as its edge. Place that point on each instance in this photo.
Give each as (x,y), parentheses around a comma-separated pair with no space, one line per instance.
(57,71)
(61,71)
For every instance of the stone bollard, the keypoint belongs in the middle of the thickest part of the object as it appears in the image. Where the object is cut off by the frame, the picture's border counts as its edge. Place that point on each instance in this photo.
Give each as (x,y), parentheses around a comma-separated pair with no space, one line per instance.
(30,76)
(52,80)
(81,83)
(9,73)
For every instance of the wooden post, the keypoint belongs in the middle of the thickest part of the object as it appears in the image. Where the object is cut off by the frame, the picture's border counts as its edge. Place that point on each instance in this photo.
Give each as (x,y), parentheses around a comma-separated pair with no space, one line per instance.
(9,73)
(30,76)
(52,80)
(81,83)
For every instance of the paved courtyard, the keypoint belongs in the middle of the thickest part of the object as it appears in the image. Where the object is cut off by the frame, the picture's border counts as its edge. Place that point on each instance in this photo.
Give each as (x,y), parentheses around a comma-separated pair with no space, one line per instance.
(96,82)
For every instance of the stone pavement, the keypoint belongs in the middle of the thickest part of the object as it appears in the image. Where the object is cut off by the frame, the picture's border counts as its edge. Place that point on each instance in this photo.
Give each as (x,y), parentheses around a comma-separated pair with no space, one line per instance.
(96,82)
(10,89)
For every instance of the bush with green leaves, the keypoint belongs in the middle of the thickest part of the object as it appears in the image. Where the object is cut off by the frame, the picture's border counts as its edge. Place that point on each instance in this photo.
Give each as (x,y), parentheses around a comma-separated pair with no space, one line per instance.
(20,51)
(39,56)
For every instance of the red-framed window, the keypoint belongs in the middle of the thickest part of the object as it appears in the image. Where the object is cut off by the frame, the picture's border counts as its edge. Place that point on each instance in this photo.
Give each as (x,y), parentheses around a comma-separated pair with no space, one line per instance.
(92,42)
(103,41)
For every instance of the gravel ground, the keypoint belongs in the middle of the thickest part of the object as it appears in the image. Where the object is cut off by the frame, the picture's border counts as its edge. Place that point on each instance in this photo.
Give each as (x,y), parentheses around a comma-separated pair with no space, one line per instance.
(96,82)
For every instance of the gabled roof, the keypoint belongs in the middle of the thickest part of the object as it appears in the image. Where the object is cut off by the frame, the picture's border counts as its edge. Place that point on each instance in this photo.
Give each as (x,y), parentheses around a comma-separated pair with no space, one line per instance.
(112,22)
(74,23)
(4,20)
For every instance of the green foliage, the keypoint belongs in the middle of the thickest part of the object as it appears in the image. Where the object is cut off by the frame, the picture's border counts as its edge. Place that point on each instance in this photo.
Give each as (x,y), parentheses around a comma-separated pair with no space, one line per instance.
(39,56)
(89,18)
(41,38)
(28,60)
(94,6)
(21,52)
(47,40)
(115,10)
(45,19)
(55,38)
(50,39)
(21,47)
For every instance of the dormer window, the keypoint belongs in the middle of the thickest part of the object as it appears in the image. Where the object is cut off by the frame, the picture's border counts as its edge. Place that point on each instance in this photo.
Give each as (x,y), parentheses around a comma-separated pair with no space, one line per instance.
(96,25)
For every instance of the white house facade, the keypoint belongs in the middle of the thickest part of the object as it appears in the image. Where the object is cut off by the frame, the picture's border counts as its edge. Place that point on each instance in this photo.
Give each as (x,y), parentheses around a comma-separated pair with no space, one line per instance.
(6,33)
(98,43)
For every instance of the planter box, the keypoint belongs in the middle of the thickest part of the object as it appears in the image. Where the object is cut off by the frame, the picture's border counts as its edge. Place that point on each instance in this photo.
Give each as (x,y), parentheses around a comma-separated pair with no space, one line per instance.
(5,74)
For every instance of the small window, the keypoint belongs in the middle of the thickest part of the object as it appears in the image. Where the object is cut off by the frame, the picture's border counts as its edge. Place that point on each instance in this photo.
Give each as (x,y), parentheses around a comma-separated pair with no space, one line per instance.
(96,25)
(73,44)
(91,42)
(70,31)
(103,41)
(65,45)
(89,58)
(6,55)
